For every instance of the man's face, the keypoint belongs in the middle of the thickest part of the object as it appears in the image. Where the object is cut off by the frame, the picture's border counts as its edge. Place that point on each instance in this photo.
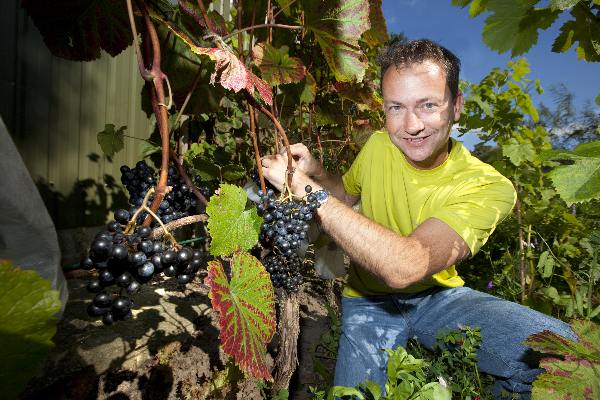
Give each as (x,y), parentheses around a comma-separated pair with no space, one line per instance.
(419,112)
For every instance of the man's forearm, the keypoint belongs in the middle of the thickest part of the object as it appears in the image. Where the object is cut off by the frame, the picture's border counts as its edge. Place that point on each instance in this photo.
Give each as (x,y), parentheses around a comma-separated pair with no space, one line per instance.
(333,184)
(396,260)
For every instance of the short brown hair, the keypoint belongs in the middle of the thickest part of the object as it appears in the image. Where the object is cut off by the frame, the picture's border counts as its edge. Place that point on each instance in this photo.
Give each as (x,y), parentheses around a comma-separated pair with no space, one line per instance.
(401,53)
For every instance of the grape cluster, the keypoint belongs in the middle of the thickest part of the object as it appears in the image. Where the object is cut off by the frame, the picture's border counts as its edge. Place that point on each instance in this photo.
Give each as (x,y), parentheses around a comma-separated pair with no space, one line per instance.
(285,228)
(127,261)
(178,203)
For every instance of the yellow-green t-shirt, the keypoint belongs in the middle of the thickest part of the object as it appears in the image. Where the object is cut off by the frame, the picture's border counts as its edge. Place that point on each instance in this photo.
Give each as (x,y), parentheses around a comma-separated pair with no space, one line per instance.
(464,192)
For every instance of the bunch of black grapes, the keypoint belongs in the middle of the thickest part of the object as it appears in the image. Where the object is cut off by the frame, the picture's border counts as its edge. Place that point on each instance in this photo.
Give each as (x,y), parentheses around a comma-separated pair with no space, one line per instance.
(124,262)
(178,203)
(285,228)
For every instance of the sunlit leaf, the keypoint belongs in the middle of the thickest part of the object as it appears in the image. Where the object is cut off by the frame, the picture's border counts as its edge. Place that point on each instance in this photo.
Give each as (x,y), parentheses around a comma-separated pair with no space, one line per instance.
(80,29)
(246,311)
(231,227)
(585,30)
(578,182)
(518,152)
(276,65)
(27,324)
(229,71)
(337,26)
(563,4)
(514,25)
(377,33)
(110,140)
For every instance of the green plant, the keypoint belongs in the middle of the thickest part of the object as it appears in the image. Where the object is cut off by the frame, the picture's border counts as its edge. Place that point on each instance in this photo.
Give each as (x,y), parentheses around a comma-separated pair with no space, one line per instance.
(28,306)
(406,379)
(454,358)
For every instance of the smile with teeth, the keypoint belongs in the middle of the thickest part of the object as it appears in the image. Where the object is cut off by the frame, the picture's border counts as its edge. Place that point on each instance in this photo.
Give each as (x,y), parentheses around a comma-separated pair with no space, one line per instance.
(416,140)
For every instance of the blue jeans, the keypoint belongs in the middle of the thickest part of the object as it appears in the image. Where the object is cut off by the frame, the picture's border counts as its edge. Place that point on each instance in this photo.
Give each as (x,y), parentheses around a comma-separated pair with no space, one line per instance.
(370,324)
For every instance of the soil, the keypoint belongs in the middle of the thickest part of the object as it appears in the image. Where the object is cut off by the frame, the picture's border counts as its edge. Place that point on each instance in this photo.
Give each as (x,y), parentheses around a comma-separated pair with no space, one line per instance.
(170,349)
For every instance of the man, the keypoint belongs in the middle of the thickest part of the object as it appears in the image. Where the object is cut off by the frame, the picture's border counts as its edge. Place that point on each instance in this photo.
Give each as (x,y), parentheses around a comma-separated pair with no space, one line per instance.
(426,204)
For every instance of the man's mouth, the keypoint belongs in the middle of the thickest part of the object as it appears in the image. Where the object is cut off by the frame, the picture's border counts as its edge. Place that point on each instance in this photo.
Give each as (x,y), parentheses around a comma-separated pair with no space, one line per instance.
(416,140)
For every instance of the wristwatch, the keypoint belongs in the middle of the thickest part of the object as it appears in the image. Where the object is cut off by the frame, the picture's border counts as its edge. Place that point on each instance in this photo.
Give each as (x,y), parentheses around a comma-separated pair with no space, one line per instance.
(322,196)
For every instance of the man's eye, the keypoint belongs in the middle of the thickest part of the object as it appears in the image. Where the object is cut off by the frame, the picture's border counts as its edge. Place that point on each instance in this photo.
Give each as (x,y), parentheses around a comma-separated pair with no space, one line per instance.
(429,105)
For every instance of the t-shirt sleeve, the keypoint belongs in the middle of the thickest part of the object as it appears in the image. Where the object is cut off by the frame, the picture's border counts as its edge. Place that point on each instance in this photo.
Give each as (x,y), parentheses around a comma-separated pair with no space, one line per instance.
(476,209)
(352,179)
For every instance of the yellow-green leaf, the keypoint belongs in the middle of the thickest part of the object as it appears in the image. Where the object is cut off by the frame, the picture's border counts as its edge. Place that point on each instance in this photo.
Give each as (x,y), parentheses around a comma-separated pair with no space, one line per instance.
(231,227)
(27,324)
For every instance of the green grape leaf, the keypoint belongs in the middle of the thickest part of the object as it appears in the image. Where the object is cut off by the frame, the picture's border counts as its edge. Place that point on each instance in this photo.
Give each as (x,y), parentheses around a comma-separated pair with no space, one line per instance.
(337,26)
(518,152)
(233,172)
(573,374)
(246,306)
(276,65)
(79,29)
(230,226)
(563,4)
(285,6)
(514,25)
(111,141)
(309,89)
(545,264)
(579,181)
(583,29)
(27,319)
(377,33)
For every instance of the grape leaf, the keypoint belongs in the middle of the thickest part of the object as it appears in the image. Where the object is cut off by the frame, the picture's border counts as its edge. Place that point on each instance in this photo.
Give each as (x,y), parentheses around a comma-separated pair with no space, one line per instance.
(309,89)
(111,141)
(377,33)
(518,152)
(27,308)
(365,95)
(337,26)
(563,4)
(285,6)
(513,25)
(229,71)
(578,182)
(276,65)
(573,375)
(246,309)
(79,29)
(230,226)
(585,29)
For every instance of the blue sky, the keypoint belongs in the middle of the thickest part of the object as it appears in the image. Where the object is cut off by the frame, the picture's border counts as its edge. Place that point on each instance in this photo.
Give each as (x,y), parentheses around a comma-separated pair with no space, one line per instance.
(451,27)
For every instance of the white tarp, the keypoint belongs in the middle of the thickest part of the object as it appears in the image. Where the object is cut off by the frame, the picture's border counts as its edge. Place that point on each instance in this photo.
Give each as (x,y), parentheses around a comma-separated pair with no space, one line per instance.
(27,234)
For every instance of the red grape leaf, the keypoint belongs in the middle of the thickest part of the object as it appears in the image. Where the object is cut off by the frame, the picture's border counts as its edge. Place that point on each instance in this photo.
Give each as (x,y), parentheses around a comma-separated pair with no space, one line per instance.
(276,65)
(79,29)
(246,309)
(571,367)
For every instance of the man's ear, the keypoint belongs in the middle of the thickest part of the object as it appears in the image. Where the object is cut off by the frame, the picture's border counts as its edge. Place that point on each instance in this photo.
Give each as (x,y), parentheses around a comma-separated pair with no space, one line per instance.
(458,106)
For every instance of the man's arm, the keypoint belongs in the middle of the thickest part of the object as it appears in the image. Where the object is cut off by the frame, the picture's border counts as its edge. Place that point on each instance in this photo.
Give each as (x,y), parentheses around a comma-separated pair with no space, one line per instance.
(396,260)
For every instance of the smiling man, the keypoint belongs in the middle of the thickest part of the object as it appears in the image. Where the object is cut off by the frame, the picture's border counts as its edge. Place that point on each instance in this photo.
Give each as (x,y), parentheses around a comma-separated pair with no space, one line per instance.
(426,204)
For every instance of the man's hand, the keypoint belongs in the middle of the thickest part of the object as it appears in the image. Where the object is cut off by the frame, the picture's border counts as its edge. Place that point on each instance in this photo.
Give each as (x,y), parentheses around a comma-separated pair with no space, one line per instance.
(304,160)
(275,171)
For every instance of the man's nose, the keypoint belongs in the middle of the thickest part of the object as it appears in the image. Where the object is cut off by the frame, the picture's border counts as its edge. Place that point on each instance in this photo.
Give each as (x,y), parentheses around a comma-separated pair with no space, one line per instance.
(412,123)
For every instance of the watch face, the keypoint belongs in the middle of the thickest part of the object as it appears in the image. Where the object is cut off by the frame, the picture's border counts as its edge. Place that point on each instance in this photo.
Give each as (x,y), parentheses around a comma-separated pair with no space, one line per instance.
(322,196)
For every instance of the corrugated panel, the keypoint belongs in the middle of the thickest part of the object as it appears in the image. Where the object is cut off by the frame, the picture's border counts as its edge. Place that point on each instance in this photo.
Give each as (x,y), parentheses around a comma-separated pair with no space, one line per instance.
(58,107)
